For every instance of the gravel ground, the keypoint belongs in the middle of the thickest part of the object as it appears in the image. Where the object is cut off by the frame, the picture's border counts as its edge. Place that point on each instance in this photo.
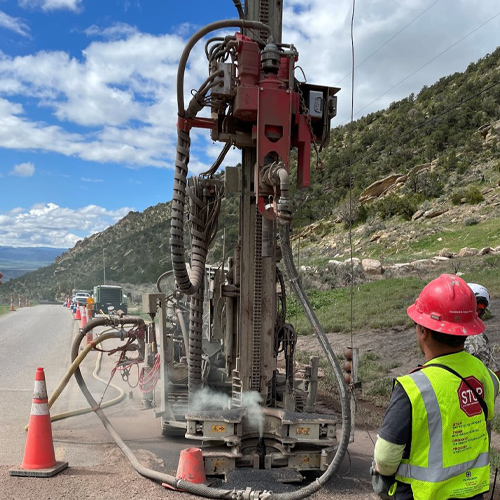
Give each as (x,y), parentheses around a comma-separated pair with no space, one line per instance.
(117,480)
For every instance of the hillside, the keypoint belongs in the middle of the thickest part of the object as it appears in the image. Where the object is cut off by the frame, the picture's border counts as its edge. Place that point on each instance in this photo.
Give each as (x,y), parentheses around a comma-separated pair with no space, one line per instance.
(402,183)
(135,250)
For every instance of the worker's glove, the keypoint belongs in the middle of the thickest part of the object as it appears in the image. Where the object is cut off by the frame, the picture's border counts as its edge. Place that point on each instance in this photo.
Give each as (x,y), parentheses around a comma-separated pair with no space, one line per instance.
(383,486)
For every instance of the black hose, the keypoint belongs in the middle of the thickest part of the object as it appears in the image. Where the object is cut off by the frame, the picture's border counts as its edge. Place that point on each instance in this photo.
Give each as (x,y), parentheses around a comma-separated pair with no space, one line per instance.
(239,8)
(228,23)
(189,283)
(334,363)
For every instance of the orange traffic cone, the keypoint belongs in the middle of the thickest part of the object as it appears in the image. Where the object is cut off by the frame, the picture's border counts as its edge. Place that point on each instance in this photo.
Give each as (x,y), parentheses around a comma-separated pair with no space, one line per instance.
(83,319)
(77,313)
(39,458)
(191,467)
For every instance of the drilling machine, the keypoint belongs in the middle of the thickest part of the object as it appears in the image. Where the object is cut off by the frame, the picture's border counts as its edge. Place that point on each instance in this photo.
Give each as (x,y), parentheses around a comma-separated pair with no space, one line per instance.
(223,329)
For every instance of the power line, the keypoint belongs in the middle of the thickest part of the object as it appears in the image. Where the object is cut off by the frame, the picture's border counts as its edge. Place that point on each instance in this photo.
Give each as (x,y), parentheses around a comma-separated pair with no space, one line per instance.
(351,145)
(428,62)
(388,41)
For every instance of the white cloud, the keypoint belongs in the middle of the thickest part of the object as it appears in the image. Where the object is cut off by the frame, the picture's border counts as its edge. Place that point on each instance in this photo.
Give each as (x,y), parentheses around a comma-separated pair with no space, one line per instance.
(48,5)
(113,32)
(85,179)
(14,24)
(23,170)
(54,226)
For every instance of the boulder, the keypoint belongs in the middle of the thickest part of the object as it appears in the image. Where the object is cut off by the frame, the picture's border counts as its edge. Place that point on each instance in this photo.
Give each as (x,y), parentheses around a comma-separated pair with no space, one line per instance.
(378,188)
(485,251)
(372,267)
(435,212)
(347,263)
(438,259)
(418,214)
(403,269)
(421,264)
(333,264)
(468,252)
(446,253)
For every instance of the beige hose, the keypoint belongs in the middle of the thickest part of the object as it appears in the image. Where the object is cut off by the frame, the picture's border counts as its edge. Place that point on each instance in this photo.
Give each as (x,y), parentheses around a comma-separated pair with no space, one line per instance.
(71,370)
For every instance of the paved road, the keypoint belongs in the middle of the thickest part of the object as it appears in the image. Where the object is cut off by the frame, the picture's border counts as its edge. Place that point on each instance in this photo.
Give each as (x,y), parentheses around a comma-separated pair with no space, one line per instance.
(42,336)
(30,337)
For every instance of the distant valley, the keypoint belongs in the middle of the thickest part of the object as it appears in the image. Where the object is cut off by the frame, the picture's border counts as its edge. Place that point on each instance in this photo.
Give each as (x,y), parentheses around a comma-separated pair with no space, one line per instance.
(16,261)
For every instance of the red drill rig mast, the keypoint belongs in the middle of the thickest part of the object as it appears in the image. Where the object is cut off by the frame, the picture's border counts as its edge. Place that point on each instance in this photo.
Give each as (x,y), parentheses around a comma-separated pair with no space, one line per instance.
(251,414)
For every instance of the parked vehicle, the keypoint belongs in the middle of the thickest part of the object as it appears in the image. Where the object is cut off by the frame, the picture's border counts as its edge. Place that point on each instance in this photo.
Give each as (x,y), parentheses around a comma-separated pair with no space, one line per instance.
(109,295)
(80,298)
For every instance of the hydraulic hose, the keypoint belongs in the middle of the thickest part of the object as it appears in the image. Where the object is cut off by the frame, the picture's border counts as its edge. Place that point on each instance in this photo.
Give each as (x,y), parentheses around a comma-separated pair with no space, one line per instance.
(195,489)
(334,363)
(76,363)
(217,25)
(67,376)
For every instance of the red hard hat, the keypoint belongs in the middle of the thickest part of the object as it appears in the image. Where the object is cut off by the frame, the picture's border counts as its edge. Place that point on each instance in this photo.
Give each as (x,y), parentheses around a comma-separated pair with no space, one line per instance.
(447,305)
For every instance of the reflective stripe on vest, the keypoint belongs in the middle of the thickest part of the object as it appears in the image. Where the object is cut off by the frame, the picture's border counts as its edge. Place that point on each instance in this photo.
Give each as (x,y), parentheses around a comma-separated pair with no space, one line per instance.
(435,472)
(494,379)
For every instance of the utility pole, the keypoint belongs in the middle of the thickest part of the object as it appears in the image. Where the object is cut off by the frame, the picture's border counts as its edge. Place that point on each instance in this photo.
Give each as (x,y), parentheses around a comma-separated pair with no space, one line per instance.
(104,266)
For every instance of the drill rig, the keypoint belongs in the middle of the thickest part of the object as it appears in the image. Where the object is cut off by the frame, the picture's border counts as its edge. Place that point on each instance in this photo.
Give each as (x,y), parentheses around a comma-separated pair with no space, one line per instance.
(223,329)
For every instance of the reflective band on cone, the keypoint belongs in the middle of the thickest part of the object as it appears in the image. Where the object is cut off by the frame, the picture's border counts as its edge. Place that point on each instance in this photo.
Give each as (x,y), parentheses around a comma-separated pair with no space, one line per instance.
(83,319)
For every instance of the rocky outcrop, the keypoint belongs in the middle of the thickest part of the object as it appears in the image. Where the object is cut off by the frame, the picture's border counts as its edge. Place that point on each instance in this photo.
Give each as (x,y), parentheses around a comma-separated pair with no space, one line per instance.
(372,269)
(490,132)
(468,252)
(435,212)
(446,253)
(381,187)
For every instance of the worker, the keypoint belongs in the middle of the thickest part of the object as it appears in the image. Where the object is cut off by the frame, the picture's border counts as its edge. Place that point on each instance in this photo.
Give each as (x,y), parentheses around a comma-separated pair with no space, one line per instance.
(90,307)
(479,345)
(433,442)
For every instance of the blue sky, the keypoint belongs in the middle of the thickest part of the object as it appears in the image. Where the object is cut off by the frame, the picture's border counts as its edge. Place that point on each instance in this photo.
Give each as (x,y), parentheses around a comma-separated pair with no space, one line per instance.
(87,92)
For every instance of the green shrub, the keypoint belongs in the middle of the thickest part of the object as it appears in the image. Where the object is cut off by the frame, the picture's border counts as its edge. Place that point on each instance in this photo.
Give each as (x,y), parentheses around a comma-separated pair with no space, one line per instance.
(471,222)
(457,197)
(381,387)
(473,196)
(393,205)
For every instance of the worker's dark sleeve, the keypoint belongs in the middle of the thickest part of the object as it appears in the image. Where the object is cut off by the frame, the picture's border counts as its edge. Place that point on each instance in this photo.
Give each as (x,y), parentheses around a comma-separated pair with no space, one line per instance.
(396,426)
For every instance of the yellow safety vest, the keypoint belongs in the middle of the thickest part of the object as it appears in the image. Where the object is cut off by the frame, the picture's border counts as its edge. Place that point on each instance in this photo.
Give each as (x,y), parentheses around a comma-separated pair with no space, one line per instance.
(449,456)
